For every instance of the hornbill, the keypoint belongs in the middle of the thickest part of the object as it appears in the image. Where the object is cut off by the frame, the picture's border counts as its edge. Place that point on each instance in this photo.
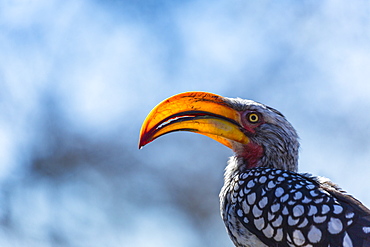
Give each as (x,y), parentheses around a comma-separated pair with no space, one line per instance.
(264,200)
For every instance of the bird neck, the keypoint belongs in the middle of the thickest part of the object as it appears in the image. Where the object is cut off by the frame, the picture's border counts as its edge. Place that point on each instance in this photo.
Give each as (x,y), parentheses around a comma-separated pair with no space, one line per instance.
(254,155)
(250,155)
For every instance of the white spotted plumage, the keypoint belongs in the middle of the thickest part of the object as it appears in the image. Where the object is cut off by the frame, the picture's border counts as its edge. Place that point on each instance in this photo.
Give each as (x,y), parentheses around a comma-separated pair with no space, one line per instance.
(298,210)
(335,225)
(347,242)
(256,211)
(314,235)
(278,206)
(263,209)
(366,229)
(298,237)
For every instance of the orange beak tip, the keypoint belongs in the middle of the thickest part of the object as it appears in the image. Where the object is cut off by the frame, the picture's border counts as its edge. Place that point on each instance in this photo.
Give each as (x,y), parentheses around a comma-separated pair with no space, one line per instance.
(141,144)
(144,140)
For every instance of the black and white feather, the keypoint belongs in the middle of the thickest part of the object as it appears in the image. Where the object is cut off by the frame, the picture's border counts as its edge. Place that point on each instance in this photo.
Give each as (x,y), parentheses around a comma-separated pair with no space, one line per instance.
(273,205)
(283,208)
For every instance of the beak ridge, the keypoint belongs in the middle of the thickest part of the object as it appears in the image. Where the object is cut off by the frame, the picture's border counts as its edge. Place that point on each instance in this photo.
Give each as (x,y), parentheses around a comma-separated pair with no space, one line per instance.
(204,113)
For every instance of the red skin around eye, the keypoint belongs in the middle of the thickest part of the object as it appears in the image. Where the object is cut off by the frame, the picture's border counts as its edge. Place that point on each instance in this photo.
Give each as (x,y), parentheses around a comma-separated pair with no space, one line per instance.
(248,126)
(252,152)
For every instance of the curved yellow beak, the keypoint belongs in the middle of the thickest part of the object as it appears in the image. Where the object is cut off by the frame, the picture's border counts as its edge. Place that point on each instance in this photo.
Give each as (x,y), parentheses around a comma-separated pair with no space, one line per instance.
(204,113)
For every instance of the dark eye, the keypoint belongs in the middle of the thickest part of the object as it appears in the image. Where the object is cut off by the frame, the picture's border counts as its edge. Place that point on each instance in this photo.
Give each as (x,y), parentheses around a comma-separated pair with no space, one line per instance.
(253,117)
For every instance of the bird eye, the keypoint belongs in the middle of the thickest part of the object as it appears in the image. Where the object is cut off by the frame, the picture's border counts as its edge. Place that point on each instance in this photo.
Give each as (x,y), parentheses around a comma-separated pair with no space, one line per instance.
(253,117)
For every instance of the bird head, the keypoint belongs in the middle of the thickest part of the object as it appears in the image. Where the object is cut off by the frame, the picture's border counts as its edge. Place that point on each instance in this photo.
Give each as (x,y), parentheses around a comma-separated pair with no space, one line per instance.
(259,135)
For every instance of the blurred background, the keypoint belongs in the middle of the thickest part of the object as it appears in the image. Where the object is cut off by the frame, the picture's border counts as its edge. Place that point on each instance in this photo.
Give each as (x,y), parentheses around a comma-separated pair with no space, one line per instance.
(77,79)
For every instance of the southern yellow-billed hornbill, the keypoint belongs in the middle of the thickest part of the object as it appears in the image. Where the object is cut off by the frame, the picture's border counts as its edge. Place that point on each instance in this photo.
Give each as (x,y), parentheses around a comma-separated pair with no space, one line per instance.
(264,201)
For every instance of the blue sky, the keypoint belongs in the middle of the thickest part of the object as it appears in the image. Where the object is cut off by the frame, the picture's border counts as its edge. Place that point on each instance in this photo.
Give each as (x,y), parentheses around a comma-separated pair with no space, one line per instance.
(98,67)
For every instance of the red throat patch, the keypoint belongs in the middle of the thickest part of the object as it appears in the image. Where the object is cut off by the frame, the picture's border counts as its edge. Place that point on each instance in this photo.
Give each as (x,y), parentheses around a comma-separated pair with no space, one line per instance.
(252,153)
